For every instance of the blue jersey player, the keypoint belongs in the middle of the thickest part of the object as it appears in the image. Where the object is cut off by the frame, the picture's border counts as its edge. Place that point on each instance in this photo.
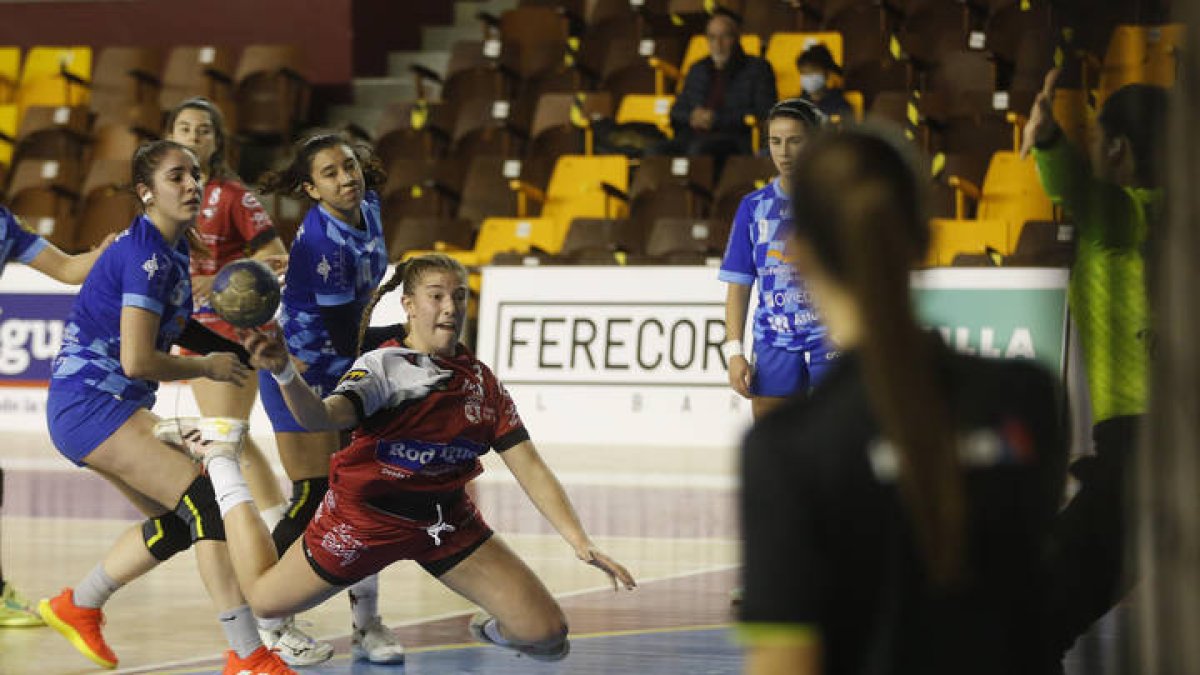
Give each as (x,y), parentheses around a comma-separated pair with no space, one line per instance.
(789,346)
(133,307)
(23,246)
(336,262)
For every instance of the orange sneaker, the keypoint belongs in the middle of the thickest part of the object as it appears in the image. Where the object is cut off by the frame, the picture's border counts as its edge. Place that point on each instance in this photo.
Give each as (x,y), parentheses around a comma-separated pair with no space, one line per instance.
(262,661)
(80,625)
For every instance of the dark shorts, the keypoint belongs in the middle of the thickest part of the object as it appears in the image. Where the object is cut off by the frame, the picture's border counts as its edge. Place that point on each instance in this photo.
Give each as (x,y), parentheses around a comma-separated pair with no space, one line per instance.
(81,419)
(778,372)
(217,325)
(349,539)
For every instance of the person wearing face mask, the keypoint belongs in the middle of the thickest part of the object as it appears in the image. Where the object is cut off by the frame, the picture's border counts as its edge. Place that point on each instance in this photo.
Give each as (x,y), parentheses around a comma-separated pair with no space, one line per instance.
(423,409)
(719,91)
(816,67)
(132,308)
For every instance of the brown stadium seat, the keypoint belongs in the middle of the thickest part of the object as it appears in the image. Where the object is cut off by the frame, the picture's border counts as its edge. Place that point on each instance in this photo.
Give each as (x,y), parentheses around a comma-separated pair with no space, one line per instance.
(487,189)
(422,187)
(426,234)
(562,123)
(670,186)
(117,142)
(1044,243)
(197,71)
(602,241)
(930,29)
(741,176)
(271,91)
(764,18)
(962,83)
(109,204)
(413,130)
(685,241)
(483,127)
(44,193)
(125,77)
(53,132)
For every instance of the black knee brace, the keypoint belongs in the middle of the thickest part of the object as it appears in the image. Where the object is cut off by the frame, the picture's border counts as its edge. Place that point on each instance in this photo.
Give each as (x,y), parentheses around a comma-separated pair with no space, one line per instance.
(306,497)
(165,536)
(199,511)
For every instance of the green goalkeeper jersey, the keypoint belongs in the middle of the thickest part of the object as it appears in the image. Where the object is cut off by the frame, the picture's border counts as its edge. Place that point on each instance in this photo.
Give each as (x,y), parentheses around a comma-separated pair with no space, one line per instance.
(1108,295)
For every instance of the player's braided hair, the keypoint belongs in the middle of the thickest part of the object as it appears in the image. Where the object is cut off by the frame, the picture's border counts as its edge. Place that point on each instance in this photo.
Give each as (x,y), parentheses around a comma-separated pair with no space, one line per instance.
(145,162)
(858,202)
(408,274)
(218,164)
(291,177)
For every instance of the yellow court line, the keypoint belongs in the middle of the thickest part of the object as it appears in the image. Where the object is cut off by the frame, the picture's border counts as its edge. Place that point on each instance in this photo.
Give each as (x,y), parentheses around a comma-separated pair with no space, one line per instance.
(476,645)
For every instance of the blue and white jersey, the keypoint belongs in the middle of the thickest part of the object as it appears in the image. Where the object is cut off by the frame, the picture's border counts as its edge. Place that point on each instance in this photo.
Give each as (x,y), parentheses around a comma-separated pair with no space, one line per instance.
(140,269)
(755,254)
(331,263)
(17,243)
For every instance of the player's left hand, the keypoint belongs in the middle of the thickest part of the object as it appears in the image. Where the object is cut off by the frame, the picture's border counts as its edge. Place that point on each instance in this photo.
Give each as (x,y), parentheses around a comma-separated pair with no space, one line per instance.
(615,570)
(201,288)
(277,263)
(266,347)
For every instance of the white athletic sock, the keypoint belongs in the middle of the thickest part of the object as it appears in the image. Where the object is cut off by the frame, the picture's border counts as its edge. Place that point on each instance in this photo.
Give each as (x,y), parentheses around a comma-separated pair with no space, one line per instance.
(364,601)
(270,624)
(95,589)
(240,630)
(271,516)
(228,483)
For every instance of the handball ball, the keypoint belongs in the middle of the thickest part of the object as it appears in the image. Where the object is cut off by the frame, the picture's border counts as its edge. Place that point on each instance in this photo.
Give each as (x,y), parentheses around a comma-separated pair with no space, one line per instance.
(245,293)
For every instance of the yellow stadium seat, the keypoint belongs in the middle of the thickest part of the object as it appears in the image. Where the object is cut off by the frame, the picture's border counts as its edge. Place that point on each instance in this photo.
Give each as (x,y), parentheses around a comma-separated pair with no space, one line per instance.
(697,49)
(952,237)
(783,50)
(503,235)
(647,108)
(8,132)
(55,76)
(1013,194)
(10,72)
(576,191)
(855,99)
(1141,54)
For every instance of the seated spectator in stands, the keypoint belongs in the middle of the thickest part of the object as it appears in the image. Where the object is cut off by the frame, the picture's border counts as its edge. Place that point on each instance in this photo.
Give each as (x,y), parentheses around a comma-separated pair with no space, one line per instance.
(816,65)
(718,92)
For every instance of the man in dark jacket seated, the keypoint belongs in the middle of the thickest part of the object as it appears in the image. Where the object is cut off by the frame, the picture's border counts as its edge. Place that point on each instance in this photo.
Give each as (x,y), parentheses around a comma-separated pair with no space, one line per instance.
(718,92)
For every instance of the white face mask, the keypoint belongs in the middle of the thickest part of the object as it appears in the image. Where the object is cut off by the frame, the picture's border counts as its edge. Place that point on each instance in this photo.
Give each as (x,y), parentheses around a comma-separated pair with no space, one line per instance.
(812,82)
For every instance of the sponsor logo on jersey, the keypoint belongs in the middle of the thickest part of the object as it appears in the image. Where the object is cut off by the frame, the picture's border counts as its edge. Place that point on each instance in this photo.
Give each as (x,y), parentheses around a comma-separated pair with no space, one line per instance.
(353,375)
(414,456)
(342,544)
(250,201)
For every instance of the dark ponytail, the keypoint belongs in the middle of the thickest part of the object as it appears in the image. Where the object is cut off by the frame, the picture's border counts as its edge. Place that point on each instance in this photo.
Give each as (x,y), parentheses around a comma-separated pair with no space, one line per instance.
(290,178)
(858,203)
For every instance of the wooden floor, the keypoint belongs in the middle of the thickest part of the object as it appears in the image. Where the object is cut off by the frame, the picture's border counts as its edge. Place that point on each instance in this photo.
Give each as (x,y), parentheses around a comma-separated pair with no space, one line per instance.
(668,514)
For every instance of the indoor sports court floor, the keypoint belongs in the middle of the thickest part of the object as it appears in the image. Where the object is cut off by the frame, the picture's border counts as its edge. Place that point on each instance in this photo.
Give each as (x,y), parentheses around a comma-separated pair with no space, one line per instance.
(668,514)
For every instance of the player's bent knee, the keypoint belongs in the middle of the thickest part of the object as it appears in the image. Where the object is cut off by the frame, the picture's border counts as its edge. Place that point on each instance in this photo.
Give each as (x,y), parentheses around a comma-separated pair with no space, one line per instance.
(198,509)
(165,536)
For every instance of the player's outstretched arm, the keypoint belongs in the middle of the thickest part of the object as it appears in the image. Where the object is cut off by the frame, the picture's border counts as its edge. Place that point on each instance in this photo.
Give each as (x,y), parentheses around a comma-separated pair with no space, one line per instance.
(69,269)
(547,494)
(268,352)
(141,360)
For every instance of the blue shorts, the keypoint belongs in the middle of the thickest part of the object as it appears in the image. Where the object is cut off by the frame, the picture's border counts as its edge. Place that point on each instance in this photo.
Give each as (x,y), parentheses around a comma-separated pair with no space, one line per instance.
(778,372)
(81,419)
(281,417)
(820,361)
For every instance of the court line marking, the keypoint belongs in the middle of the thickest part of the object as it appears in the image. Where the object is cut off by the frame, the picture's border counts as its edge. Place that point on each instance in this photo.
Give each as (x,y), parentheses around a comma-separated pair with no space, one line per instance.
(189,666)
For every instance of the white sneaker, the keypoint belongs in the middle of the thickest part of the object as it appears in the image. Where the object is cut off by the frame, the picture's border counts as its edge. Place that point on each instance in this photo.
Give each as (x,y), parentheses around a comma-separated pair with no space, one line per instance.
(376,643)
(294,646)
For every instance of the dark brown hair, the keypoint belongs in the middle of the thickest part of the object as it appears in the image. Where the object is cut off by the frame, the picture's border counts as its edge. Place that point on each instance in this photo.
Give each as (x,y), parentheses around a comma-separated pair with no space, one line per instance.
(290,179)
(145,162)
(218,164)
(858,201)
(408,274)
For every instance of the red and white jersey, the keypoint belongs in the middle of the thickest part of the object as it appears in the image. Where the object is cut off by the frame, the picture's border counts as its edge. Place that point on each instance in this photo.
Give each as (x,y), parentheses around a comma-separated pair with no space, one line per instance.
(232,223)
(426,421)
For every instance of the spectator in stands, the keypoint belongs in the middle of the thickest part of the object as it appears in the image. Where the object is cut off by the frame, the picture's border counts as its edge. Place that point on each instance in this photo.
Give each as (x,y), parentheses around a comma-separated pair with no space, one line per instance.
(816,67)
(1114,205)
(896,520)
(718,92)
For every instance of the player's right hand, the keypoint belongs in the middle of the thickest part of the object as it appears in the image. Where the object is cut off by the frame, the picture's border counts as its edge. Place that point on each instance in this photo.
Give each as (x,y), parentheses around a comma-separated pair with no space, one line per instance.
(739,375)
(225,367)
(266,347)
(1041,126)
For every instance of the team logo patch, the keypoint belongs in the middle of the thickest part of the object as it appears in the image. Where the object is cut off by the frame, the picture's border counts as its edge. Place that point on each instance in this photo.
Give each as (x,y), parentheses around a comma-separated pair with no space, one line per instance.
(250,201)
(150,267)
(341,543)
(353,375)
(323,269)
